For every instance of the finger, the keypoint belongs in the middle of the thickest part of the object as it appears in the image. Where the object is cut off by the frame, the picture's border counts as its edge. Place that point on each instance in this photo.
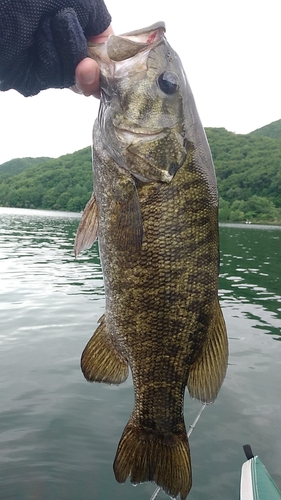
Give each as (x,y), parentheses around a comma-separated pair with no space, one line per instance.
(87,72)
(87,76)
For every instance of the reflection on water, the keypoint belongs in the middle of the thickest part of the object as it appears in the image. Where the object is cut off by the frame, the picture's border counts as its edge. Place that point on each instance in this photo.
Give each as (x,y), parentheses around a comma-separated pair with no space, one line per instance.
(41,247)
(58,434)
(250,278)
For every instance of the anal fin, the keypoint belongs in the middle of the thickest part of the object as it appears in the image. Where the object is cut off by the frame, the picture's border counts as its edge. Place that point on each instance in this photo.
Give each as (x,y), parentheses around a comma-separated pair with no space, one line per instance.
(88,228)
(207,374)
(100,361)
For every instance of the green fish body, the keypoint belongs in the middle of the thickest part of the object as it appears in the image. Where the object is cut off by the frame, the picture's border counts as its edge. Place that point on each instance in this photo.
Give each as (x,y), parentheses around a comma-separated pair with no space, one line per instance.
(154,209)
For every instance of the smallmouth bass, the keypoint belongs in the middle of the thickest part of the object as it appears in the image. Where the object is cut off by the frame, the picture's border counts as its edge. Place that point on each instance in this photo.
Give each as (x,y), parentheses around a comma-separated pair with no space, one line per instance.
(154,209)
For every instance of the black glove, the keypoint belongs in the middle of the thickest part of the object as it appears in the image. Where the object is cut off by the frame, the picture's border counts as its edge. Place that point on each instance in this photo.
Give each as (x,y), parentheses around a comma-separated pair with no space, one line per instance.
(41,42)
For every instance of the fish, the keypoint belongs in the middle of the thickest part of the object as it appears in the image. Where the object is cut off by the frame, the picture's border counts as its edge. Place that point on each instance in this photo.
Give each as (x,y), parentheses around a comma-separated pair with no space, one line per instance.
(154,210)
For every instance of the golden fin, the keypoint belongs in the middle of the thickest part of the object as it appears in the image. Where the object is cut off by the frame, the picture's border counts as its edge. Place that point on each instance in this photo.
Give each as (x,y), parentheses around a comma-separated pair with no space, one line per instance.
(129,228)
(88,227)
(207,374)
(100,361)
(146,455)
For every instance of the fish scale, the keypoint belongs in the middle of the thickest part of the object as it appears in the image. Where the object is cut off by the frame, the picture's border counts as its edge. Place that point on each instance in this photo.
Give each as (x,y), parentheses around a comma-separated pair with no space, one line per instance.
(154,209)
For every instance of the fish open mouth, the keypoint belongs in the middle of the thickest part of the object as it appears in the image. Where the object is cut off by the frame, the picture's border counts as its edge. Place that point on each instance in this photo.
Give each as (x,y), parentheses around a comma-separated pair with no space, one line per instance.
(151,34)
(127,45)
(113,55)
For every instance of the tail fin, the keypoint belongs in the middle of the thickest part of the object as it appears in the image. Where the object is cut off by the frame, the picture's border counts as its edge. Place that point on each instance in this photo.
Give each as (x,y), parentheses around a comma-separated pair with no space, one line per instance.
(146,455)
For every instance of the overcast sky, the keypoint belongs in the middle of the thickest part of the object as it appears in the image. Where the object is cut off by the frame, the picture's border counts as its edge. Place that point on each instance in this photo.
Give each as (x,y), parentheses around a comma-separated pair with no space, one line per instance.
(231,54)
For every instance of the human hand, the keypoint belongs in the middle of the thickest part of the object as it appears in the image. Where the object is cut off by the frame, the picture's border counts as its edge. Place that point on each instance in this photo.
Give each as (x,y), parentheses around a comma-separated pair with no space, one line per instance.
(87,73)
(42,43)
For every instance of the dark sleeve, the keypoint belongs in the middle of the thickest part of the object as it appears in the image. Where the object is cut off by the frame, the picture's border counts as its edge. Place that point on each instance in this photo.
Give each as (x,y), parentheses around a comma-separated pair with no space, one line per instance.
(42,41)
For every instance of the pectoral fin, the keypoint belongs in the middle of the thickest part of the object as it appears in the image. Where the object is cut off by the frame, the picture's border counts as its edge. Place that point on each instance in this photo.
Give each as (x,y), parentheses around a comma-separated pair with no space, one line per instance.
(206,375)
(129,228)
(88,227)
(101,361)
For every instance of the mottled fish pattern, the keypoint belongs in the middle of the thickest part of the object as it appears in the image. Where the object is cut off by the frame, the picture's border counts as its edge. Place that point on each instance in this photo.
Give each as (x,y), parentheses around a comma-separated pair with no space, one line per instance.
(154,209)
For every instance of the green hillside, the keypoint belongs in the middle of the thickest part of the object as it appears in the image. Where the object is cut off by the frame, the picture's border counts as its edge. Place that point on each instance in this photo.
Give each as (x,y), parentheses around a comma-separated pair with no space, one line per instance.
(272,130)
(248,169)
(64,183)
(14,167)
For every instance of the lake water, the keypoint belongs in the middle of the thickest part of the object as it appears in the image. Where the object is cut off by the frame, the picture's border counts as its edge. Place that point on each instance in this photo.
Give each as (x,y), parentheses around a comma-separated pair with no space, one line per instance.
(58,433)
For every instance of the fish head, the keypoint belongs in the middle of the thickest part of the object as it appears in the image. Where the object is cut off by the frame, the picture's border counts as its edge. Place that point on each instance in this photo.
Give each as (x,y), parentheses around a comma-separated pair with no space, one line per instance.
(141,115)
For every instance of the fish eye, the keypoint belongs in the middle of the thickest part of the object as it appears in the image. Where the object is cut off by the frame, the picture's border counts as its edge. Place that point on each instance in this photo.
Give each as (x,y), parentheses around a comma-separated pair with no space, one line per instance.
(168,82)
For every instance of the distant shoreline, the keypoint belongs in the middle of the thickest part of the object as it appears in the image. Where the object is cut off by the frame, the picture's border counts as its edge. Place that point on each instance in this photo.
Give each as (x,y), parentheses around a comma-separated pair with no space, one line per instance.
(59,213)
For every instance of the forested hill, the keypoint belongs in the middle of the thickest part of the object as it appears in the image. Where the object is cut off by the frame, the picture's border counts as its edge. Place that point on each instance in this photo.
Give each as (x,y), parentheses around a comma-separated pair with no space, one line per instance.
(17,165)
(65,183)
(272,130)
(248,169)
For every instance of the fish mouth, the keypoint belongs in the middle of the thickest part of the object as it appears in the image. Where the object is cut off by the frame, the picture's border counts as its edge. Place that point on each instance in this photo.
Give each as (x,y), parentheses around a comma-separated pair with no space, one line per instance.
(128,45)
(130,137)
(115,56)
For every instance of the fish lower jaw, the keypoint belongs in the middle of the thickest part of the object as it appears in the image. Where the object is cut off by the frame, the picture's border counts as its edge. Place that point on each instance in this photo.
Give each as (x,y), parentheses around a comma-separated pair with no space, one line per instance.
(134,137)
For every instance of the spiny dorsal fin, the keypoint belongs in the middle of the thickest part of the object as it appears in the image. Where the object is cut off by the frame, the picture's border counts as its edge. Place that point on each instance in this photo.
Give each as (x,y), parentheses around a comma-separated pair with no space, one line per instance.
(207,374)
(88,227)
(100,361)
